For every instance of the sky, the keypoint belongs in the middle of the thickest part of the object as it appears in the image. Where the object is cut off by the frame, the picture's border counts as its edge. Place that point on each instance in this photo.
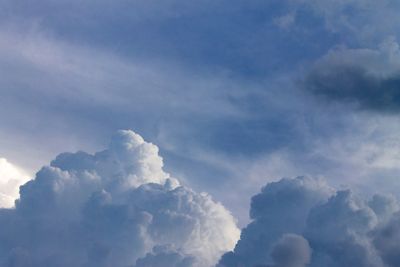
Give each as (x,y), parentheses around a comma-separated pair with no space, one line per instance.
(241,102)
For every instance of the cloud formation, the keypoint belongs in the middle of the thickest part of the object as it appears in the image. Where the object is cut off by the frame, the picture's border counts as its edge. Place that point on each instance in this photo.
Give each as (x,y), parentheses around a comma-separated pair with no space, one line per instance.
(304,222)
(176,68)
(368,78)
(116,208)
(180,67)
(162,256)
(355,21)
(11,178)
(291,251)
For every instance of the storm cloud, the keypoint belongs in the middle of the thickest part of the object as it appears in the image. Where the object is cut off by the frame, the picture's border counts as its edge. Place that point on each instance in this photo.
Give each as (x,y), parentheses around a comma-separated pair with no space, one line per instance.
(366,78)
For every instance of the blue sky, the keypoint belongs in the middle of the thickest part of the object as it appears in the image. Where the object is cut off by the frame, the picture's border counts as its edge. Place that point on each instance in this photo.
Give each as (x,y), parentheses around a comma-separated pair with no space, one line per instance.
(235,94)
(217,85)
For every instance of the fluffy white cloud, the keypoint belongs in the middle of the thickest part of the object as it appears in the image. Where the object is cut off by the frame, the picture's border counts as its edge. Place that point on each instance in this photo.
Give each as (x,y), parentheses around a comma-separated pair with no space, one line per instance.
(11,178)
(110,209)
(304,222)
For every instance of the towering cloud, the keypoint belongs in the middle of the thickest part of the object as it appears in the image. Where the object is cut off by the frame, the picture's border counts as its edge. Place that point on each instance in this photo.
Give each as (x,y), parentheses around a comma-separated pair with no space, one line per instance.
(281,208)
(114,208)
(304,222)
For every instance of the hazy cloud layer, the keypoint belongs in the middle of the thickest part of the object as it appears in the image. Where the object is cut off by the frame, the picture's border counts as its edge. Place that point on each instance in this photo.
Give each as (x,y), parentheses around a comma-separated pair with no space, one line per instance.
(211,82)
(112,209)
(304,222)
(232,35)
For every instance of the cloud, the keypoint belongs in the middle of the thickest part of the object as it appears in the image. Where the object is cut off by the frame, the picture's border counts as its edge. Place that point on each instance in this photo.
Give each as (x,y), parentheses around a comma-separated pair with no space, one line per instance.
(304,222)
(338,232)
(235,36)
(281,207)
(11,178)
(361,22)
(291,251)
(113,208)
(386,239)
(171,70)
(368,78)
(164,256)
(50,80)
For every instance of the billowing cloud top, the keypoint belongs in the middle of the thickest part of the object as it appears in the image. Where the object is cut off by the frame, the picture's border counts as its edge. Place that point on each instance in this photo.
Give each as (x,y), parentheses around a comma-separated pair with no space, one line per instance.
(114,208)
(304,222)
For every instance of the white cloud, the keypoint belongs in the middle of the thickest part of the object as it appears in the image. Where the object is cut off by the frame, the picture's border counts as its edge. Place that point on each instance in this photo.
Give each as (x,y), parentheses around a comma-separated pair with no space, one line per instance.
(110,209)
(11,177)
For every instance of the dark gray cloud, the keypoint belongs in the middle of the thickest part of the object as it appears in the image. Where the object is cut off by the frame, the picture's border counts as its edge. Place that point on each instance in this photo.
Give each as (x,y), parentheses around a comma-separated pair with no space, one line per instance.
(386,239)
(113,208)
(368,79)
(338,232)
(355,85)
(291,251)
(304,222)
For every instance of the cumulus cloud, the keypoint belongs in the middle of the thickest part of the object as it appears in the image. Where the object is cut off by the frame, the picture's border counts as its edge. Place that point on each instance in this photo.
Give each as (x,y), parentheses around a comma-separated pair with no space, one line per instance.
(11,177)
(386,239)
(281,207)
(66,82)
(338,232)
(368,78)
(164,256)
(305,222)
(116,208)
(291,251)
